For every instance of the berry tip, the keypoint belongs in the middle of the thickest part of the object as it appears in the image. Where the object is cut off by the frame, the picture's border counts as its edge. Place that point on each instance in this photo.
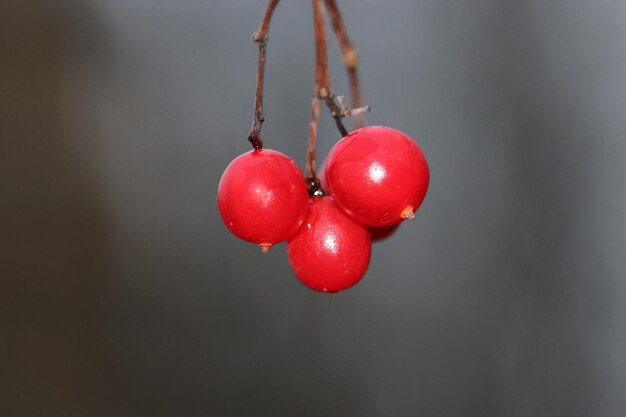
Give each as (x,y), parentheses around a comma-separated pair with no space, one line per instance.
(407,213)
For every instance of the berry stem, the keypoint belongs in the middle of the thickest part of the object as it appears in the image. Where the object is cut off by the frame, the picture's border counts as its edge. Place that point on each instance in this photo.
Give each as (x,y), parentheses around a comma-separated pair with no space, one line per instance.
(312,182)
(322,77)
(322,91)
(350,59)
(322,86)
(261,38)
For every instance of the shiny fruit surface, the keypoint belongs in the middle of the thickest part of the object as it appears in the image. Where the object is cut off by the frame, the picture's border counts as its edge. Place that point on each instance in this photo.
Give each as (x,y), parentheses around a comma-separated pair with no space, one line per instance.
(330,252)
(262,197)
(378,175)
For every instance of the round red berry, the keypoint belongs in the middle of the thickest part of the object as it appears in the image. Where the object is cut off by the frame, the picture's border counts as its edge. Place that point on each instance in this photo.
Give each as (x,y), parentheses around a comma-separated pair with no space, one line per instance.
(330,252)
(378,175)
(262,197)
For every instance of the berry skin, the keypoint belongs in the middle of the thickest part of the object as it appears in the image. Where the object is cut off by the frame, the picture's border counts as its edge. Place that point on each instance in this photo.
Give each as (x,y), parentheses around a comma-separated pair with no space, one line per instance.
(376,233)
(262,197)
(377,175)
(330,252)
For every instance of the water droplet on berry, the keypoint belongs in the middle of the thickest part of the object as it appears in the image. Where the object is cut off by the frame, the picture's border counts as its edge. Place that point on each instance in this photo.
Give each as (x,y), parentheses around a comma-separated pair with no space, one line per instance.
(265,247)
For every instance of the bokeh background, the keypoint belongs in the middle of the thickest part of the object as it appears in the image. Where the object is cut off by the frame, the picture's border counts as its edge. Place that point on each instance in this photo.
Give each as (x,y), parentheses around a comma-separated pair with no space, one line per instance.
(122,293)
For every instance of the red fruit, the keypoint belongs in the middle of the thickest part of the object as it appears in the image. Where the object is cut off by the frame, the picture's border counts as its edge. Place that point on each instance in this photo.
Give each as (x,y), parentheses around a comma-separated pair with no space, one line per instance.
(381,233)
(378,175)
(330,252)
(262,197)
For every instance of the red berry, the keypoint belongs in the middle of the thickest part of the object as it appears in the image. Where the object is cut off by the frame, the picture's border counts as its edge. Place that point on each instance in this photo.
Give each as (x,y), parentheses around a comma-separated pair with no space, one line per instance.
(262,197)
(330,252)
(381,233)
(378,175)
(376,233)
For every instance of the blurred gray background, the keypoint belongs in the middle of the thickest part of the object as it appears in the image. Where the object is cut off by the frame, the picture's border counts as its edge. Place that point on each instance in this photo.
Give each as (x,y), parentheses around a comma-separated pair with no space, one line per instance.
(122,293)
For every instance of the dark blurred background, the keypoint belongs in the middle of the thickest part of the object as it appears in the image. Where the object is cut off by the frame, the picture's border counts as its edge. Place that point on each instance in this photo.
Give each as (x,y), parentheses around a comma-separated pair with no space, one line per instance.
(122,293)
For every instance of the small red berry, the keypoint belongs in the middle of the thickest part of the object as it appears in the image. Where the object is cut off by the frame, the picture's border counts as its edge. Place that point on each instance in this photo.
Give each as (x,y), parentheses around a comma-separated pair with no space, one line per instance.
(378,175)
(330,252)
(376,233)
(262,197)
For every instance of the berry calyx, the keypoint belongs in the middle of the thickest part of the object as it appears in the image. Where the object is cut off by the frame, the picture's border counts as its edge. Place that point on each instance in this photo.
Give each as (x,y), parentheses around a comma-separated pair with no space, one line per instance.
(262,197)
(378,175)
(330,252)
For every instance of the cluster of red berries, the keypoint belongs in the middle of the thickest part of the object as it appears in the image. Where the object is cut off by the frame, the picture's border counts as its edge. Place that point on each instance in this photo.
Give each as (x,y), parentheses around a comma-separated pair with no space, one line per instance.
(373,179)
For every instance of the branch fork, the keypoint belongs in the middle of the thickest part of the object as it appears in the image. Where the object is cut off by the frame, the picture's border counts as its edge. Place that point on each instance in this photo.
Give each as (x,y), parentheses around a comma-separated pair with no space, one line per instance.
(322,91)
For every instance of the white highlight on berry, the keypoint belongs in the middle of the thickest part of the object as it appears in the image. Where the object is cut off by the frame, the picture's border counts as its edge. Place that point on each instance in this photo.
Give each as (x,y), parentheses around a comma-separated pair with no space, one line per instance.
(377,172)
(330,242)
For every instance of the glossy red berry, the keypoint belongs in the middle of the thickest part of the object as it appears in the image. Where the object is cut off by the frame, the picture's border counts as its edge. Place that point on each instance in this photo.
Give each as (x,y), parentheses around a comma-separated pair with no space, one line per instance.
(330,252)
(376,233)
(378,175)
(262,197)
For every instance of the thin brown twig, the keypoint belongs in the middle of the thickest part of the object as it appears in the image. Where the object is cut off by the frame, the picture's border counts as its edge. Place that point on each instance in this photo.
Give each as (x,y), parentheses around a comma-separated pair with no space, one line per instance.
(336,112)
(311,178)
(321,90)
(322,77)
(350,58)
(260,37)
(324,92)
